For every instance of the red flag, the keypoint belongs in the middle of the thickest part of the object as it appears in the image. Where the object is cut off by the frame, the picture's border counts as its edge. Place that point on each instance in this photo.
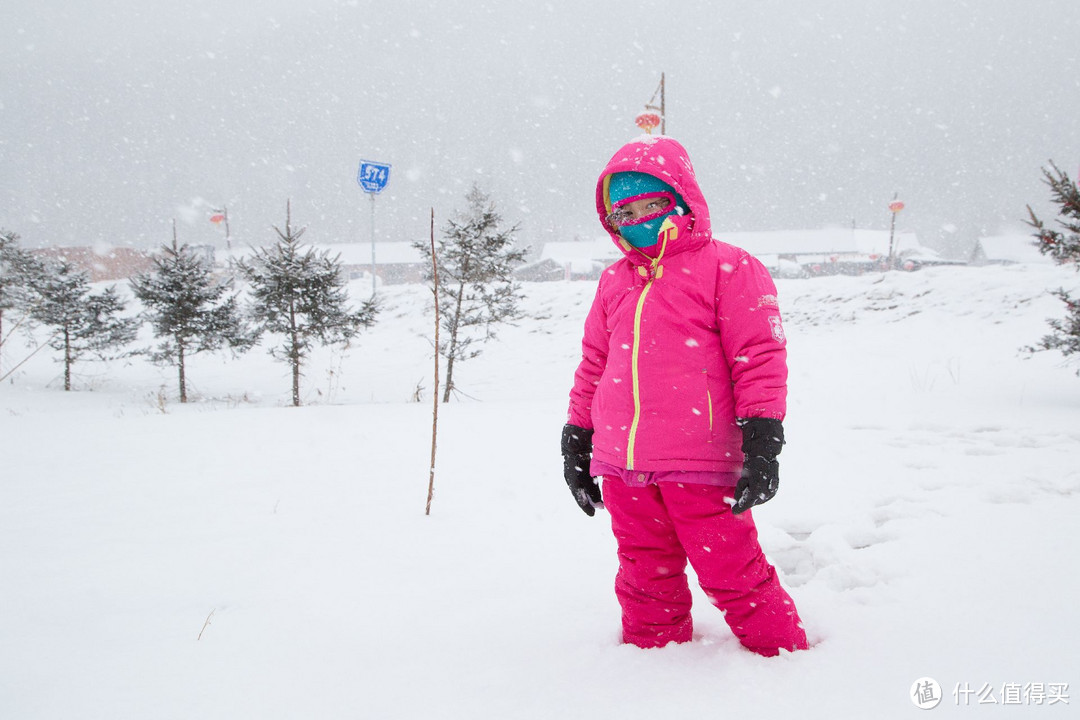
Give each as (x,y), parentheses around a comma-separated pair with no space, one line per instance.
(217,218)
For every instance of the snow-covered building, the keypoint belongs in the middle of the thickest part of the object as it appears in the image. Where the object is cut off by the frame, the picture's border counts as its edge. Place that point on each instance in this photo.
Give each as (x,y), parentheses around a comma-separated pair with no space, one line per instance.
(101,262)
(787,253)
(831,251)
(577,260)
(1007,250)
(395,263)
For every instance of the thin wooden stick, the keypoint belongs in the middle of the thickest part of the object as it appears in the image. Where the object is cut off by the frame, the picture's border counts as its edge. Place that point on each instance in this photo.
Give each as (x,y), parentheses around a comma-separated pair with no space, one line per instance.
(18,323)
(22,362)
(435,390)
(205,625)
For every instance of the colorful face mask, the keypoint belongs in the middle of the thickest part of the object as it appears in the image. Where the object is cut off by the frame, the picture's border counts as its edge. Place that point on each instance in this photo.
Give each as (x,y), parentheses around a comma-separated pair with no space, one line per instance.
(655,200)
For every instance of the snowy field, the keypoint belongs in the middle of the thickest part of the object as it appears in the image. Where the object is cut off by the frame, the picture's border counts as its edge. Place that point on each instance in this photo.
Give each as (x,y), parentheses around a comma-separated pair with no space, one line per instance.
(239,558)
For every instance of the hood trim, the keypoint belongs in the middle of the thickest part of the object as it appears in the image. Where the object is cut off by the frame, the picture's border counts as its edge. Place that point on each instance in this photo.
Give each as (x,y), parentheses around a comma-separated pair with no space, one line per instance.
(666,159)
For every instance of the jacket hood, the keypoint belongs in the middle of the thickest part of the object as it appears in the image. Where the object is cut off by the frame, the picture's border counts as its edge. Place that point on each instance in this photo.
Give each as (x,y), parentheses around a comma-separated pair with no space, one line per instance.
(665,158)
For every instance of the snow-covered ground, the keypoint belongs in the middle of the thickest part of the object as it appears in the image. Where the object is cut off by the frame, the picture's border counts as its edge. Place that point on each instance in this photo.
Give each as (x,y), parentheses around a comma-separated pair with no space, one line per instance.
(238,558)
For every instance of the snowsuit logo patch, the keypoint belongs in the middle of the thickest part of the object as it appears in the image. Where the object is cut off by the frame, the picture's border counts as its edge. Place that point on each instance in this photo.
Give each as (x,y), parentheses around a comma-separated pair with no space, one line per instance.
(777,329)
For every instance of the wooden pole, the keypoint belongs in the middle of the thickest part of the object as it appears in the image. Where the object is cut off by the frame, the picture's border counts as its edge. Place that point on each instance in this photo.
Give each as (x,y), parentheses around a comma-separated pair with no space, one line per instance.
(228,234)
(892,251)
(224,212)
(891,262)
(662,107)
(435,389)
(663,110)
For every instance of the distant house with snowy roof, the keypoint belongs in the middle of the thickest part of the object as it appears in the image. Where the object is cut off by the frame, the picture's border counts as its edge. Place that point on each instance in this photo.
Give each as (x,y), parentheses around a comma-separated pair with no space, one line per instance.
(100,262)
(1007,250)
(575,260)
(787,253)
(830,251)
(395,263)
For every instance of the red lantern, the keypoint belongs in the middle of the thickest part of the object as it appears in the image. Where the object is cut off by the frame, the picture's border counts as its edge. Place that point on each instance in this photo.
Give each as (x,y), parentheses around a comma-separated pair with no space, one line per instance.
(217,219)
(896,206)
(647,121)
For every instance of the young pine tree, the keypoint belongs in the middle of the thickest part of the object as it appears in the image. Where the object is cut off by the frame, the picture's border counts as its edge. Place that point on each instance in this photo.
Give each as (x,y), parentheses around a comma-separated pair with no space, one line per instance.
(477,290)
(189,309)
(19,271)
(1063,247)
(299,294)
(83,323)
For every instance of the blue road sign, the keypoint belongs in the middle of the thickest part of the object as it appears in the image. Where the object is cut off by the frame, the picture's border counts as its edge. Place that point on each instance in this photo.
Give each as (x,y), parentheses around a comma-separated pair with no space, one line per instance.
(373,176)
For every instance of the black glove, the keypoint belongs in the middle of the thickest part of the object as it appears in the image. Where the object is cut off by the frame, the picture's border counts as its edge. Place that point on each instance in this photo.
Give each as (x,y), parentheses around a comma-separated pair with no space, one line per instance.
(762,440)
(577,452)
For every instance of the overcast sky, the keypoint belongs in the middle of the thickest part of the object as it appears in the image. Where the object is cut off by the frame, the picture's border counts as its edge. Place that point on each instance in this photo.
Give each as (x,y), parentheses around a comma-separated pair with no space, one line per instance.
(118,116)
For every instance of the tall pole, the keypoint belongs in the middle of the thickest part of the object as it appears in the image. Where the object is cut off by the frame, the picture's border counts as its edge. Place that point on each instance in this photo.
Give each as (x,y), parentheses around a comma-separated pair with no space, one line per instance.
(663,112)
(372,177)
(224,213)
(372,195)
(651,105)
(892,234)
(894,207)
(228,236)
(435,390)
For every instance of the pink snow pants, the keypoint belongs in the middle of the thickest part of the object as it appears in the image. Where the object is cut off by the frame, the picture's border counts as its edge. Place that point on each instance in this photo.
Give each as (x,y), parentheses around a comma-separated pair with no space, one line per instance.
(658,528)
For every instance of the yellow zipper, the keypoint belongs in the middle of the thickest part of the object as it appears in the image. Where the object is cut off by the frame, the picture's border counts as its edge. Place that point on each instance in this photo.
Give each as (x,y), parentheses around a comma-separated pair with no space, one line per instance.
(708,398)
(668,231)
(634,374)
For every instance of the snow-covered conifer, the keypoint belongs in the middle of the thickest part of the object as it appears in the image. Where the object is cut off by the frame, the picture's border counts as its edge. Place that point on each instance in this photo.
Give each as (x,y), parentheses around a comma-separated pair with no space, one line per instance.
(1064,248)
(477,290)
(19,270)
(299,294)
(82,322)
(189,309)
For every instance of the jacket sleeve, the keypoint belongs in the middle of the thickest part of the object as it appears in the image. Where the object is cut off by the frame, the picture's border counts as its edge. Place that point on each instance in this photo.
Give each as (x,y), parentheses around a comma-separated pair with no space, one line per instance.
(752,338)
(594,352)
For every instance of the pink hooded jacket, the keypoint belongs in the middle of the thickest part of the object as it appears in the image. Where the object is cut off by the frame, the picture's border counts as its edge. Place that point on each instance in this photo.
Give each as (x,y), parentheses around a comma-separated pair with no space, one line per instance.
(682,338)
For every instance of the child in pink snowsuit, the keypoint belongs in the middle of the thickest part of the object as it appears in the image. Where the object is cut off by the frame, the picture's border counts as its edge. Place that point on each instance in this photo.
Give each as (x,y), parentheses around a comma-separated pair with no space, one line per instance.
(677,406)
